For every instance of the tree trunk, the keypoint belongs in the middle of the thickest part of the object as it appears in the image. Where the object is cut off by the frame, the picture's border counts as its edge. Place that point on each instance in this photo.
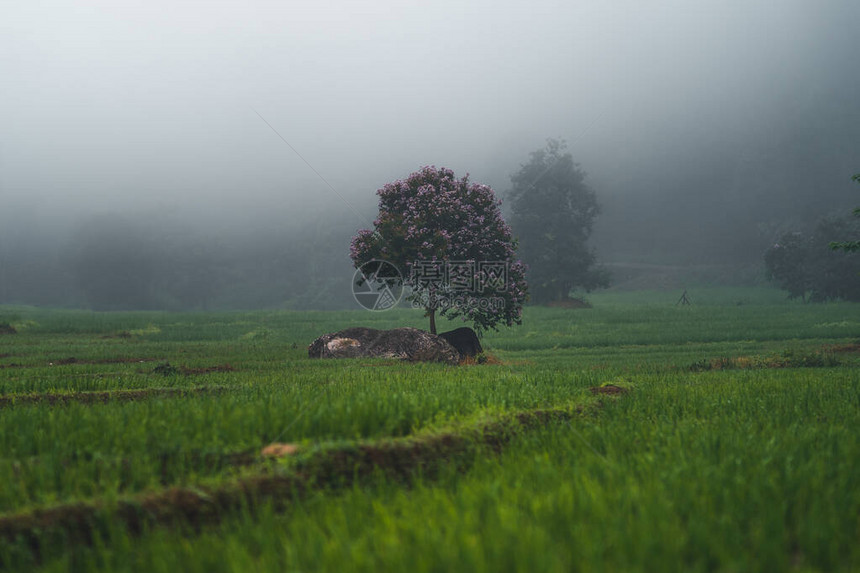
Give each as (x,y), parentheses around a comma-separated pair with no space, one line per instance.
(561,293)
(432,313)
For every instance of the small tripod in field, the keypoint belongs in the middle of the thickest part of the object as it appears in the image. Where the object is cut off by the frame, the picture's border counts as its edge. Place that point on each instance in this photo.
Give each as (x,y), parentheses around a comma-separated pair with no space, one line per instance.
(684,300)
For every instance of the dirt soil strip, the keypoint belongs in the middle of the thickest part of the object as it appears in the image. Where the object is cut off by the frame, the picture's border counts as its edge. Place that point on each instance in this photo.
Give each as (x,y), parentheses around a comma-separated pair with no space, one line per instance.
(106,396)
(73,360)
(401,459)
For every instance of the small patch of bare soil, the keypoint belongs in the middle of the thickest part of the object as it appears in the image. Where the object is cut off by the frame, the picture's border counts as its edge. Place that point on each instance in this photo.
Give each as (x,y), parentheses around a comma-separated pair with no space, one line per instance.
(278,450)
(608,390)
(825,357)
(206,369)
(843,348)
(124,335)
(570,303)
(167,369)
(103,397)
(480,359)
(73,360)
(7,329)
(120,361)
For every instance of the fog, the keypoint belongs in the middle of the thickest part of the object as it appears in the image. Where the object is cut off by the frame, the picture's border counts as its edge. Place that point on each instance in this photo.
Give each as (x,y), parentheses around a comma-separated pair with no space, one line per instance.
(262,130)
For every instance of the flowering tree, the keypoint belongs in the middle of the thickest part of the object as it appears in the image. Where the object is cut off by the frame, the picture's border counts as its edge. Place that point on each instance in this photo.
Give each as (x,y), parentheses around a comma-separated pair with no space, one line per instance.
(455,251)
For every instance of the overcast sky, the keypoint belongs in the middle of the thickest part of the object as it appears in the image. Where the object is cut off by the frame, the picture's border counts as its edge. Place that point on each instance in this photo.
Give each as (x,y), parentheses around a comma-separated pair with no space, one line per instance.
(153,104)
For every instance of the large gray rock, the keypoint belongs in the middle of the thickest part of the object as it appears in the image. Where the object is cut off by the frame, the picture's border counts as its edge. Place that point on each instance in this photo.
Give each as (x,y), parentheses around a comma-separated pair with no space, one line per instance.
(402,343)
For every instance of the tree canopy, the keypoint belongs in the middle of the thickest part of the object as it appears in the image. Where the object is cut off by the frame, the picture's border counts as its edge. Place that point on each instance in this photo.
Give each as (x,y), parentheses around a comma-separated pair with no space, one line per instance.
(802,264)
(454,250)
(553,213)
(849,246)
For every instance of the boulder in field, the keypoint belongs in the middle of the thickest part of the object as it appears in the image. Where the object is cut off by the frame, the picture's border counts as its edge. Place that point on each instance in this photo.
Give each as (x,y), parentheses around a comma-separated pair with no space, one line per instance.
(402,343)
(464,340)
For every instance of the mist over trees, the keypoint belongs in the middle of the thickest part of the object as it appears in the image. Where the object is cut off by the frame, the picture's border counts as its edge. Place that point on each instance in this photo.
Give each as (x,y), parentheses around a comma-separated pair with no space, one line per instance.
(135,171)
(723,199)
(194,261)
(118,262)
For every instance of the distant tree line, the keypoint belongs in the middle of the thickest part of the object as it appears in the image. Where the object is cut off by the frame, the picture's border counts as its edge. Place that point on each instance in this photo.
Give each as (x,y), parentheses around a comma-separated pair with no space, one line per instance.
(119,262)
(805,265)
(159,261)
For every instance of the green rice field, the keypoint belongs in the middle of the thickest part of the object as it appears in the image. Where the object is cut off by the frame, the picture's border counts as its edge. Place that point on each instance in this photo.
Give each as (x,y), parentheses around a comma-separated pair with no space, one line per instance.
(636,435)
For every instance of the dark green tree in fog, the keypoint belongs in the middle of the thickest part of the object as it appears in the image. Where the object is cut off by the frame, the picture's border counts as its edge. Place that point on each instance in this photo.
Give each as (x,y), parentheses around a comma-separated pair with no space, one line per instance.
(802,264)
(849,246)
(552,213)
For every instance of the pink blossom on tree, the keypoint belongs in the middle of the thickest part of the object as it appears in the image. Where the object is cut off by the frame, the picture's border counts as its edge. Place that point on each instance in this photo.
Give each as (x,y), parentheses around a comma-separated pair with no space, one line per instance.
(431,218)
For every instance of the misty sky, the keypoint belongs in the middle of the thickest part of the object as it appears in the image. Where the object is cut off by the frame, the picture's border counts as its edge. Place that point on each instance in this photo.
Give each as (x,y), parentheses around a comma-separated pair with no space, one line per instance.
(153,105)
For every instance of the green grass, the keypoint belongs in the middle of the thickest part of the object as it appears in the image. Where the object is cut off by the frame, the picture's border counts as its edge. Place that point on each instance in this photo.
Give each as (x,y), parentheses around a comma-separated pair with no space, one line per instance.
(746,466)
